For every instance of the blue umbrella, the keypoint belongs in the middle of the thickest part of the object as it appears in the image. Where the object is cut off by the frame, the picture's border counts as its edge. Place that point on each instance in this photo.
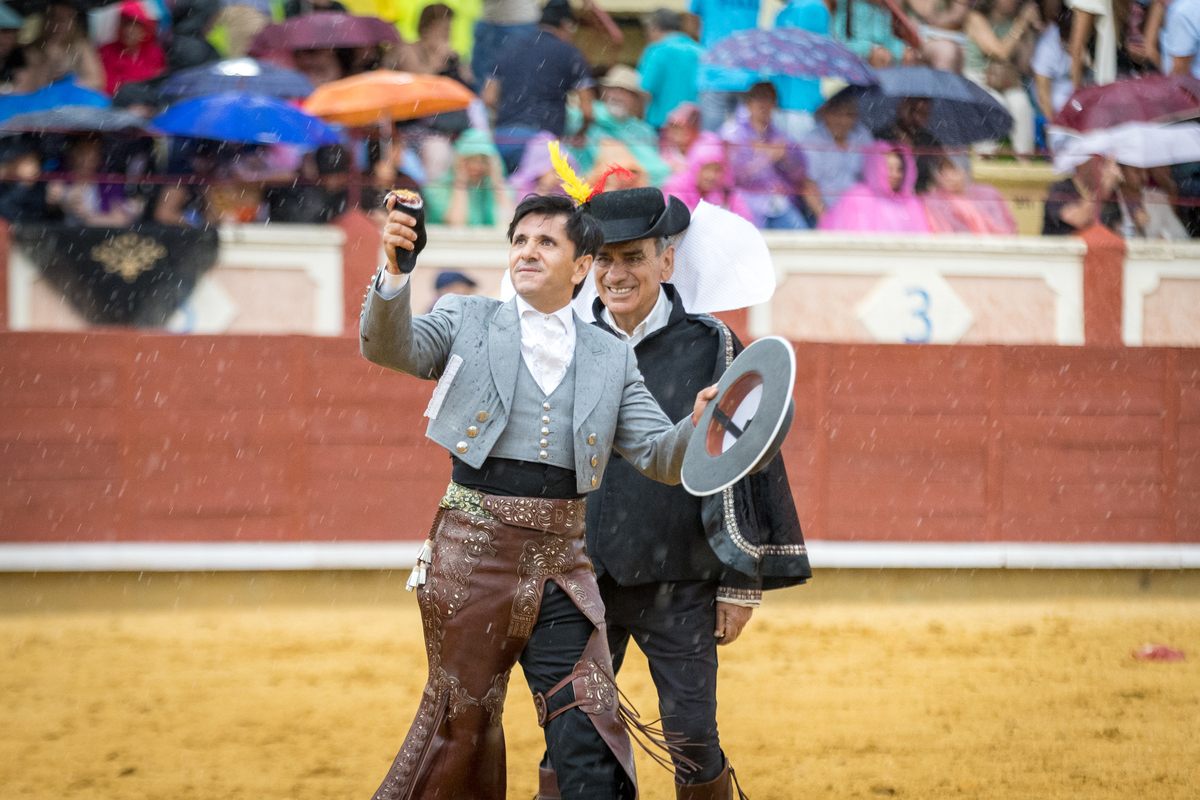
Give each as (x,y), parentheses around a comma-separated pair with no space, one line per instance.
(57,94)
(243,75)
(248,119)
(790,51)
(961,113)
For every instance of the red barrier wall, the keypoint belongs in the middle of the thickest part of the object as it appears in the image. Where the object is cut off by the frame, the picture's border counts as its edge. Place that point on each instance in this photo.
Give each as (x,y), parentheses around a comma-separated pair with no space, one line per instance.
(117,436)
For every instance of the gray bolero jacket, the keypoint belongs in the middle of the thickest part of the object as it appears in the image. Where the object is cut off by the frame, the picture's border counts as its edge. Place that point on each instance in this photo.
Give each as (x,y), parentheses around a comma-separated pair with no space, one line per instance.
(472,347)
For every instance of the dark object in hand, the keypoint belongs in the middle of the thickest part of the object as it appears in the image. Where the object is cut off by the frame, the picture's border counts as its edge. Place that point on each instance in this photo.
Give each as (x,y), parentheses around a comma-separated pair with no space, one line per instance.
(410,203)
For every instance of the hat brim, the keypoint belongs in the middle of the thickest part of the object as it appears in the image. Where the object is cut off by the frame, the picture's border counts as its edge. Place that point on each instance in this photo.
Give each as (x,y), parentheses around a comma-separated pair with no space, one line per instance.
(674,220)
(712,463)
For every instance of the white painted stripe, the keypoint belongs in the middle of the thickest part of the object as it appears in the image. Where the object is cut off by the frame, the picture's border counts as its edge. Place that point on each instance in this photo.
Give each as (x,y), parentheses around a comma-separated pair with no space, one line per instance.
(1001,555)
(203,557)
(220,556)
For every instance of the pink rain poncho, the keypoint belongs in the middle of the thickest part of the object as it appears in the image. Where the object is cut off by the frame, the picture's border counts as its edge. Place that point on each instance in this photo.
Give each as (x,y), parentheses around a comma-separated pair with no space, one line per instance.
(978,209)
(684,184)
(872,205)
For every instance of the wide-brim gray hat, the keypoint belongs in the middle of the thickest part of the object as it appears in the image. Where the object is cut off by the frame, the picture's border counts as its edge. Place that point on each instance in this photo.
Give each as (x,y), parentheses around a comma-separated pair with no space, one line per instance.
(744,426)
(626,215)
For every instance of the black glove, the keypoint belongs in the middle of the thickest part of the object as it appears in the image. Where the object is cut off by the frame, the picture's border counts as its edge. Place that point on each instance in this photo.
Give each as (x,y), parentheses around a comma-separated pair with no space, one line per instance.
(410,203)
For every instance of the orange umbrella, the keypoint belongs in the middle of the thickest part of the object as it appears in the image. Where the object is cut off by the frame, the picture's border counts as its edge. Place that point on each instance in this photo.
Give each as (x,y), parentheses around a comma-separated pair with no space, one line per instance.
(383,96)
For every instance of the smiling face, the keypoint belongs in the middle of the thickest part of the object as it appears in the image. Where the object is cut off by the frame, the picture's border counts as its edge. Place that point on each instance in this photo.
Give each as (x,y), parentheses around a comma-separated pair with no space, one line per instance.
(542,262)
(627,278)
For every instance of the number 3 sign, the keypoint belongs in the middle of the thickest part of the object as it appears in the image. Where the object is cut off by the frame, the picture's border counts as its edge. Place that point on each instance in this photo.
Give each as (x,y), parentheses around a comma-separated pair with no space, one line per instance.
(915,306)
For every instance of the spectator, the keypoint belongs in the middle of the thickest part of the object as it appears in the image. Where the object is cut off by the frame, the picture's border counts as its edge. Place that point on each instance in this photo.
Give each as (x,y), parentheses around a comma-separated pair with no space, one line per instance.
(833,151)
(801,95)
(15,75)
(474,191)
(432,54)
(320,66)
(450,282)
(296,8)
(187,203)
(912,128)
(719,90)
(708,178)
(868,32)
(536,173)
(1153,33)
(958,205)
(682,132)
(1181,37)
(531,81)
(236,27)
(884,202)
(1107,20)
(84,201)
(136,54)
(616,120)
(191,22)
(612,153)
(1052,66)
(502,22)
(22,192)
(321,197)
(668,65)
(63,49)
(1146,211)
(998,55)
(1088,196)
(942,23)
(767,168)
(1185,178)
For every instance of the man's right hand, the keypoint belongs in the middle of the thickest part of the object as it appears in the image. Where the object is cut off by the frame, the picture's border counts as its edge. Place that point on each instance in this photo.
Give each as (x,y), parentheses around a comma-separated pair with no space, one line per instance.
(397,232)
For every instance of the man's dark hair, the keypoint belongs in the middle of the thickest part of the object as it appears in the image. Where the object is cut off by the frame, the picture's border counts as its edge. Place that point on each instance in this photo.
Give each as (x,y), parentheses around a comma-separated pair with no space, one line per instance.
(556,13)
(763,91)
(664,19)
(583,229)
(433,13)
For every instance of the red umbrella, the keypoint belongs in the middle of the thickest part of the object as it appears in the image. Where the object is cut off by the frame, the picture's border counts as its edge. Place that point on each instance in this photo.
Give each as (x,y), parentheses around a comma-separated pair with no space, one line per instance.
(1153,98)
(324,29)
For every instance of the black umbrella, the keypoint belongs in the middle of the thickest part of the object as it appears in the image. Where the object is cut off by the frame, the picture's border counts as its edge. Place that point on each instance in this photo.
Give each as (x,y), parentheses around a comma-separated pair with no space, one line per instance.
(75,119)
(961,112)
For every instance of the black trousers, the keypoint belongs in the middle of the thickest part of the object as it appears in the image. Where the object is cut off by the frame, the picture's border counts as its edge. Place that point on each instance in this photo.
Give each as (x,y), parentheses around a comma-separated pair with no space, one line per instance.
(673,626)
(587,768)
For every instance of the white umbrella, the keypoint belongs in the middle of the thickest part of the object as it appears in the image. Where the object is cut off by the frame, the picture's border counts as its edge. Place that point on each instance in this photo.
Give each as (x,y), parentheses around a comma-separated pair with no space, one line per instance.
(1135,144)
(721,264)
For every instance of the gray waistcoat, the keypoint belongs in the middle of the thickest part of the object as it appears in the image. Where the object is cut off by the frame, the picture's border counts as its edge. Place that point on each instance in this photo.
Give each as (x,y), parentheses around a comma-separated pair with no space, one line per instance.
(539,427)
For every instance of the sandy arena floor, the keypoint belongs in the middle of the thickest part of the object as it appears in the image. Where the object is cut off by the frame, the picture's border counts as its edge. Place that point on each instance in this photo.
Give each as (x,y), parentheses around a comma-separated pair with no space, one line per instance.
(822,698)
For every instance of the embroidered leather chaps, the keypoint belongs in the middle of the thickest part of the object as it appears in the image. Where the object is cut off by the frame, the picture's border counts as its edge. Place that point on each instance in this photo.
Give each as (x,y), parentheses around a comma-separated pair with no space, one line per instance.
(479,606)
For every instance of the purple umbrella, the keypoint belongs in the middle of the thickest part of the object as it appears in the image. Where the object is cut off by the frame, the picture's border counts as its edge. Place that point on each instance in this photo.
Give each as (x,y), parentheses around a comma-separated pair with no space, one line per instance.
(331,29)
(792,52)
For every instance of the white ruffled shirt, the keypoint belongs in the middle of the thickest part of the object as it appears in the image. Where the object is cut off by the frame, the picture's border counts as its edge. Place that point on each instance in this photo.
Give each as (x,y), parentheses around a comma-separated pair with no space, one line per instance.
(656,319)
(547,340)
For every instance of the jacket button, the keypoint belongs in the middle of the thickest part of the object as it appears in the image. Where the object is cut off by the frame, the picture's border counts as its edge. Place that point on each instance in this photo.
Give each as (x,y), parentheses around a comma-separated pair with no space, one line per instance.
(544,443)
(543,454)
(593,480)
(545,406)
(591,438)
(595,461)
(472,431)
(545,431)
(545,420)
(482,416)
(461,447)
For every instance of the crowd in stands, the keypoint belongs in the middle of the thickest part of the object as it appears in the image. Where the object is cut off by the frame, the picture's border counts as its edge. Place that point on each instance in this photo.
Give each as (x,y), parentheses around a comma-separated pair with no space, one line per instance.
(790,153)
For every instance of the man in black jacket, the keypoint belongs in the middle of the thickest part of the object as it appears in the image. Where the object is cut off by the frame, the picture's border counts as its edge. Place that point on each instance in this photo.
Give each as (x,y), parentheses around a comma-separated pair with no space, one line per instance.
(665,559)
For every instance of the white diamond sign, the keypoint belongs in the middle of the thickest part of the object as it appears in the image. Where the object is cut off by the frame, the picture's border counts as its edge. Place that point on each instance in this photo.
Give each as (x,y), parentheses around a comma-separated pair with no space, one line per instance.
(915,306)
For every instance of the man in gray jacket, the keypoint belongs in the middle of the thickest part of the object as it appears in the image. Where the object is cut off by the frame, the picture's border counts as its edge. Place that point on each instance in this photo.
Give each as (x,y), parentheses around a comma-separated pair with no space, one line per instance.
(530,403)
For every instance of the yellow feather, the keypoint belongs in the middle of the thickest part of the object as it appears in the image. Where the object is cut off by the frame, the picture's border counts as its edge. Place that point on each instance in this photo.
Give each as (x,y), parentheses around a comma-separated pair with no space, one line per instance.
(576,189)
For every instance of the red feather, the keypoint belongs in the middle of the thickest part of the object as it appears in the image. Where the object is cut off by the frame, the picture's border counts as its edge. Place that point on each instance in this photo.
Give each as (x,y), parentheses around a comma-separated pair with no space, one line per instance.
(615,169)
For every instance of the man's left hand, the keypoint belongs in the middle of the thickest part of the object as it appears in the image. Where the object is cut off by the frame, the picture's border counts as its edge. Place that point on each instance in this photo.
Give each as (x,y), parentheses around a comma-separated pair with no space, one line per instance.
(730,621)
(702,398)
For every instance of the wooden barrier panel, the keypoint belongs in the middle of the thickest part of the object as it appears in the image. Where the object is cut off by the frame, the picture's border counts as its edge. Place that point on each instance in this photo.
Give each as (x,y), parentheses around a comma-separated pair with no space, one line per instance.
(120,437)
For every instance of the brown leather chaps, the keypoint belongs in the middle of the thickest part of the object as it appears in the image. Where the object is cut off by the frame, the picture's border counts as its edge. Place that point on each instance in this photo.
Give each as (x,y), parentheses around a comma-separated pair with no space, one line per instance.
(479,605)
